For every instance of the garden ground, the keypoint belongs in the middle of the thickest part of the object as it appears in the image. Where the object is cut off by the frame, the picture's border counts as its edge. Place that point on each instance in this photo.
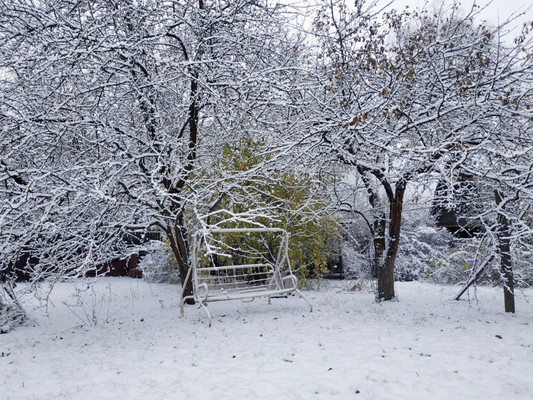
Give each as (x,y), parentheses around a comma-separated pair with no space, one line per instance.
(123,339)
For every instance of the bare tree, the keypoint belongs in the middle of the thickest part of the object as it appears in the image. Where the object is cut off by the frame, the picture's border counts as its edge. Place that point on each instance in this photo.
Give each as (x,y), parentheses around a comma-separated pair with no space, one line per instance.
(107,109)
(405,96)
(501,166)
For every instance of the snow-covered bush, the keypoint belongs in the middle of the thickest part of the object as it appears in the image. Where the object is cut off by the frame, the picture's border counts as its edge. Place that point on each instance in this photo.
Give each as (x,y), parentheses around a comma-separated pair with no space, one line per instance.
(11,312)
(357,256)
(454,266)
(356,263)
(158,265)
(468,255)
(421,245)
(523,270)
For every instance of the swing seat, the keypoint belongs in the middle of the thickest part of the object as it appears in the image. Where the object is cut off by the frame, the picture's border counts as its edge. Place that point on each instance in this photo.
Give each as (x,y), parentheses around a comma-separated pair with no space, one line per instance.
(246,281)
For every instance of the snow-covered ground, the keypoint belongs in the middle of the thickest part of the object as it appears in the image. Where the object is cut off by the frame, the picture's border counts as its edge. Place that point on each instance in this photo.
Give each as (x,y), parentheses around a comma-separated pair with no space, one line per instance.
(426,346)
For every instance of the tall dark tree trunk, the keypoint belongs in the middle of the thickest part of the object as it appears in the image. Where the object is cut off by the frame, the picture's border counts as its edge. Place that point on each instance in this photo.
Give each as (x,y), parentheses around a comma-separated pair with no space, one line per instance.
(386,280)
(178,235)
(178,238)
(386,241)
(180,230)
(387,259)
(504,248)
(341,261)
(380,245)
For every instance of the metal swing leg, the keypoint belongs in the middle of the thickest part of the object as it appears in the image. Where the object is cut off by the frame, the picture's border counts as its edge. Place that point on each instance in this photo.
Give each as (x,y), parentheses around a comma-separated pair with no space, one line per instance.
(183,298)
(206,311)
(306,299)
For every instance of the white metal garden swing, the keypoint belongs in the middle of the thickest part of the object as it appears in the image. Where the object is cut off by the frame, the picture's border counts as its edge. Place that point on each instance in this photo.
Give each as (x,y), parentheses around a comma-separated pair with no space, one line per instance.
(213,280)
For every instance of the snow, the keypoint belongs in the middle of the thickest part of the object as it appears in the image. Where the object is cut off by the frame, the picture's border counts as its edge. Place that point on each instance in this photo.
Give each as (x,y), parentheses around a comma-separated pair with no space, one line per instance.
(425,346)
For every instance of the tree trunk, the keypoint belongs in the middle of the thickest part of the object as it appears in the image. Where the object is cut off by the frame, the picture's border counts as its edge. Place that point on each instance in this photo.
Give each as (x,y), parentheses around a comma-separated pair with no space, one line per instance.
(180,248)
(380,225)
(386,261)
(504,247)
(341,261)
(386,280)
(380,260)
(178,235)
(508,280)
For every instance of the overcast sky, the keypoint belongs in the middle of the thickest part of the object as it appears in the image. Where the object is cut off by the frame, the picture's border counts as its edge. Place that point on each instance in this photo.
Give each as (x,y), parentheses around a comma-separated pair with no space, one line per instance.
(496,10)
